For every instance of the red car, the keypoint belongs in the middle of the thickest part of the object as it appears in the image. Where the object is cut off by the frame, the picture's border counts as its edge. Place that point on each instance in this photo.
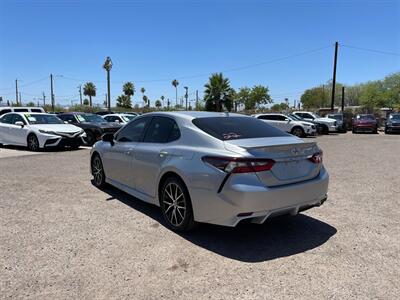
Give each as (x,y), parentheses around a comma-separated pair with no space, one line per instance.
(365,123)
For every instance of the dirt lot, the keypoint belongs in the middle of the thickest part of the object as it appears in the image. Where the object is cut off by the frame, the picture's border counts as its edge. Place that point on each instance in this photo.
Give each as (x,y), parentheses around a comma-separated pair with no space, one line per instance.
(60,237)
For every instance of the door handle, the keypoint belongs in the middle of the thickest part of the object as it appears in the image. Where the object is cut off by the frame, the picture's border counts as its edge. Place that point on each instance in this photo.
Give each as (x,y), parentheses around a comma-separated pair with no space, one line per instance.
(163,153)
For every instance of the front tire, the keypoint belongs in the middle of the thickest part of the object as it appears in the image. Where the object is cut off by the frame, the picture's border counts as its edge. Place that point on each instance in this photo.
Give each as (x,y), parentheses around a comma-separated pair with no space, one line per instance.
(176,205)
(99,178)
(90,138)
(33,143)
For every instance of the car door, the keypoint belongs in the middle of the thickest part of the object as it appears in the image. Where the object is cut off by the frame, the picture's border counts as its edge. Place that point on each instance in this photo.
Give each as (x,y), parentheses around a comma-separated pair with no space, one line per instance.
(284,123)
(152,152)
(18,133)
(5,124)
(118,158)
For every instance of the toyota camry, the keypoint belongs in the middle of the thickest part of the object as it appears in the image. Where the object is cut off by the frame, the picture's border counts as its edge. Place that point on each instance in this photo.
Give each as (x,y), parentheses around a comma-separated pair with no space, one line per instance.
(38,130)
(217,168)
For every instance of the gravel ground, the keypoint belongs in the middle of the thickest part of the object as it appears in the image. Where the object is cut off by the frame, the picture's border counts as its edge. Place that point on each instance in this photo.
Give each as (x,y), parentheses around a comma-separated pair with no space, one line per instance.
(61,238)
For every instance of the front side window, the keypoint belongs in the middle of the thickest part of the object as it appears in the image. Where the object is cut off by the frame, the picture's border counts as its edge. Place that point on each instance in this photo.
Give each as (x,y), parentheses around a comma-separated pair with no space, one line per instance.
(162,130)
(20,110)
(133,132)
(4,111)
(18,118)
(235,128)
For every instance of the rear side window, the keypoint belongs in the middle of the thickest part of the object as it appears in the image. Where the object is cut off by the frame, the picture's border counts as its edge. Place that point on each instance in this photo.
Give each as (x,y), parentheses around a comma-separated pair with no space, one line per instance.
(267,117)
(21,110)
(36,110)
(162,130)
(133,132)
(4,111)
(6,119)
(235,128)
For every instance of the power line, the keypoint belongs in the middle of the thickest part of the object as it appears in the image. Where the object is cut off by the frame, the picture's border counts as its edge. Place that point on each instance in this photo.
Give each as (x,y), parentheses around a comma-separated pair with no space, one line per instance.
(207,74)
(371,50)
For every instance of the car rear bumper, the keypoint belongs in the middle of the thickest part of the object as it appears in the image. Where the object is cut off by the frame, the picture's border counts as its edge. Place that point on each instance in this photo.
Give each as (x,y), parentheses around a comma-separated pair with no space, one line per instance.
(251,199)
(365,128)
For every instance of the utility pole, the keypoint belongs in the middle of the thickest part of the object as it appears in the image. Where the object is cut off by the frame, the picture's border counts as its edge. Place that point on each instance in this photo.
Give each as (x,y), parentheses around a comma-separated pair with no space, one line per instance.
(52,92)
(44,99)
(342,99)
(80,93)
(186,96)
(20,98)
(16,91)
(334,76)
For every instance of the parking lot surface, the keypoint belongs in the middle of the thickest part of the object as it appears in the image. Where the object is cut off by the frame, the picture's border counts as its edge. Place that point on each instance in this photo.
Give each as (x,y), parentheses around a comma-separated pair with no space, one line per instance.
(60,237)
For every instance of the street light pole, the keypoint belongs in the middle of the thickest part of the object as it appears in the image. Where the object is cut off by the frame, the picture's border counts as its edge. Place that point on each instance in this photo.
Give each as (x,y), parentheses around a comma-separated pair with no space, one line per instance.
(52,93)
(16,91)
(186,96)
(108,66)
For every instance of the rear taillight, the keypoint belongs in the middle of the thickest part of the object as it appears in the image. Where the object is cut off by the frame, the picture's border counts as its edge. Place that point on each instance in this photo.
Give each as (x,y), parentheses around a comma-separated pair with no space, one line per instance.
(316,158)
(239,164)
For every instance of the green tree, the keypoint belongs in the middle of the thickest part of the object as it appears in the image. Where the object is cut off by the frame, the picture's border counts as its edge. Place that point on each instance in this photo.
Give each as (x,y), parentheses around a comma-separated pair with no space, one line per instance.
(391,84)
(162,99)
(259,95)
(218,93)
(30,103)
(124,101)
(279,107)
(86,102)
(373,95)
(175,83)
(145,100)
(158,104)
(129,89)
(243,96)
(89,89)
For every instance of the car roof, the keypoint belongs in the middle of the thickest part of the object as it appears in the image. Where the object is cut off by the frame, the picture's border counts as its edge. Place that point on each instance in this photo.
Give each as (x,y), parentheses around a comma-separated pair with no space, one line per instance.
(190,115)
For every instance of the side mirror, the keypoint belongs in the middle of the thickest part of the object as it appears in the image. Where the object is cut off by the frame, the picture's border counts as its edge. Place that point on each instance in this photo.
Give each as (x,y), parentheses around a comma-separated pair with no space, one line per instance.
(108,137)
(20,123)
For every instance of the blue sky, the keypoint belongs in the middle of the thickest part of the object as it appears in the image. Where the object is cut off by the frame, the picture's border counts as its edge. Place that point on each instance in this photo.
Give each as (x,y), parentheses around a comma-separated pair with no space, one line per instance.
(152,42)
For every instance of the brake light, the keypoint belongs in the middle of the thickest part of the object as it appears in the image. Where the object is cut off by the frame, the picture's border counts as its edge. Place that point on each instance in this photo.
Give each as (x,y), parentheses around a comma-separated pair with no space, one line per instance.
(316,158)
(239,164)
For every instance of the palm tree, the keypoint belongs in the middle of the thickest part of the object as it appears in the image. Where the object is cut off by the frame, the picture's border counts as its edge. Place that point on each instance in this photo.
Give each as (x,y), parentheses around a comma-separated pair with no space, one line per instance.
(129,89)
(175,83)
(89,89)
(162,99)
(145,99)
(158,104)
(143,90)
(218,92)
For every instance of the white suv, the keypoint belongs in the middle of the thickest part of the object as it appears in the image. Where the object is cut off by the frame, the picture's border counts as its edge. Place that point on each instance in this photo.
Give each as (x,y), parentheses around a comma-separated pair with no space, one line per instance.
(288,124)
(327,124)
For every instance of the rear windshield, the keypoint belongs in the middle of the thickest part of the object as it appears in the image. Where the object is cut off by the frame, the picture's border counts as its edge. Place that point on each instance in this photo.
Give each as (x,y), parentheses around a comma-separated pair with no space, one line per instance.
(236,128)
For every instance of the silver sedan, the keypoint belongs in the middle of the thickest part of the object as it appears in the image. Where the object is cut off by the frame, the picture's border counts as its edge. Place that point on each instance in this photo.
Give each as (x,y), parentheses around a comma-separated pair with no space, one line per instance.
(215,168)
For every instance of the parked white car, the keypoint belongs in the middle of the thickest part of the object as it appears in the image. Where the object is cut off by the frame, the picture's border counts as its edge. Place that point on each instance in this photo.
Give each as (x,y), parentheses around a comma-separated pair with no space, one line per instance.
(327,124)
(38,130)
(119,118)
(288,124)
(7,109)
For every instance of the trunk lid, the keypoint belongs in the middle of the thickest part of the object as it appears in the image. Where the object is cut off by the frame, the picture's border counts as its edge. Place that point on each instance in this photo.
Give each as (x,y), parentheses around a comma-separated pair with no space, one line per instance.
(291,156)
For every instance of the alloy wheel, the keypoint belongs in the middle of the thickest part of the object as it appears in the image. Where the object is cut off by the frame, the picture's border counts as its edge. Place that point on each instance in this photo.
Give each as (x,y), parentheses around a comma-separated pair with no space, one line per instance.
(174,201)
(33,143)
(298,132)
(97,171)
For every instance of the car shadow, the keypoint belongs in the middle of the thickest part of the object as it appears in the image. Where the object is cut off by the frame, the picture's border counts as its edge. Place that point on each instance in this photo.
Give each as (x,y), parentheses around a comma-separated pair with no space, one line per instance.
(278,237)
(52,149)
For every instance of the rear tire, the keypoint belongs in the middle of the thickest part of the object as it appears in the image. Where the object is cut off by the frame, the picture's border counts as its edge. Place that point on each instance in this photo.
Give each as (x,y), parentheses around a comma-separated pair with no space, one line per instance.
(298,131)
(325,129)
(33,143)
(176,205)
(99,177)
